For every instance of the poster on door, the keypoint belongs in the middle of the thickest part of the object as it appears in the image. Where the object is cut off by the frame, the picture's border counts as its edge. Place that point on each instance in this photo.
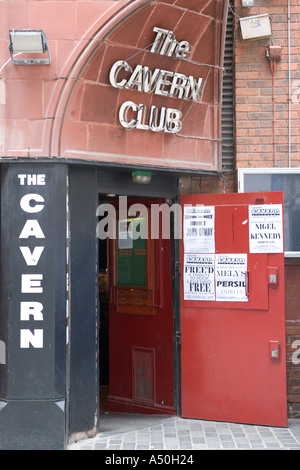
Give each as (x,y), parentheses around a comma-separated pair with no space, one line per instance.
(266,228)
(199,279)
(230,277)
(199,229)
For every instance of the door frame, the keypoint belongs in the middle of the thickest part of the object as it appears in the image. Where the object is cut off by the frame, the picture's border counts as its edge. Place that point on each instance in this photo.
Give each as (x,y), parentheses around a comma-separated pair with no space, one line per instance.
(174,299)
(86,183)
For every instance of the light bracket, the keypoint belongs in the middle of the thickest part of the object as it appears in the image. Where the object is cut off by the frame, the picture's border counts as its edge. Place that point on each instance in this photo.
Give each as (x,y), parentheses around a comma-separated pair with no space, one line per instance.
(28,41)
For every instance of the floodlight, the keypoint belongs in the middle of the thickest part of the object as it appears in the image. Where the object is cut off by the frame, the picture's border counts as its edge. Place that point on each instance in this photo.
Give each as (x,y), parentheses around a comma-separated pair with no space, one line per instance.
(28,41)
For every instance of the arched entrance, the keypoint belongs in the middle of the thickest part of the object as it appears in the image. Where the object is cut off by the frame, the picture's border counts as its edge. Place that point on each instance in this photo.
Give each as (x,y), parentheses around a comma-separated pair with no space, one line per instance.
(144,94)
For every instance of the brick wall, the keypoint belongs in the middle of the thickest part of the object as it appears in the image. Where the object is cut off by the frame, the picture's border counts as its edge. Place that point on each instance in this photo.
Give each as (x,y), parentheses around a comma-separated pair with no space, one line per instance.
(224,183)
(292,280)
(258,142)
(262,135)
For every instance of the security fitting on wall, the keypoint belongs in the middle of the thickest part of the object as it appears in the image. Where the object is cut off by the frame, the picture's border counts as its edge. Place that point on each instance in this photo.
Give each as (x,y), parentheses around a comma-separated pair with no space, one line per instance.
(247,3)
(274,52)
(28,41)
(256,27)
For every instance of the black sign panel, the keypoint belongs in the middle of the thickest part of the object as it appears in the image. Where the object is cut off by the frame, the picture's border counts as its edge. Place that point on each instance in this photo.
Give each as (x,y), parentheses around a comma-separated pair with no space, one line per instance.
(33,292)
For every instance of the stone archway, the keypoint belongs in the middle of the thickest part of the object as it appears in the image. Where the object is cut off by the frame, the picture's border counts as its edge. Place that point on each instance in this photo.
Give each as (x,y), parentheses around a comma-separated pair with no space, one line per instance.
(77,61)
(87,124)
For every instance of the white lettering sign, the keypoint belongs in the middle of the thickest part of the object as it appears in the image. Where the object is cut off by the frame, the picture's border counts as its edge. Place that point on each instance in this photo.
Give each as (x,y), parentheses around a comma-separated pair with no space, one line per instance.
(165,44)
(32,259)
(165,119)
(34,309)
(31,283)
(32,229)
(27,207)
(296,354)
(35,180)
(34,339)
(157,81)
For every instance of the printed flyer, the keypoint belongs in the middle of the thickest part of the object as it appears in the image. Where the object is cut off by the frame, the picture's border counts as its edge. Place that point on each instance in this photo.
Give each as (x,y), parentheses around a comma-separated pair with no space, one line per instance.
(266,228)
(199,229)
(199,280)
(230,275)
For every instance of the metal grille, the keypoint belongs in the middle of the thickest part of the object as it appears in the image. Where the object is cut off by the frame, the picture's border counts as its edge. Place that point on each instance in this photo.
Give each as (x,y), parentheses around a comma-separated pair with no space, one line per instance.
(228,148)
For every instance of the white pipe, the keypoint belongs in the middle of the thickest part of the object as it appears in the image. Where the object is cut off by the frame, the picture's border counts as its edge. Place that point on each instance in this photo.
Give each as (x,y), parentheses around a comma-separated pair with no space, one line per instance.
(289,79)
(7,62)
(4,65)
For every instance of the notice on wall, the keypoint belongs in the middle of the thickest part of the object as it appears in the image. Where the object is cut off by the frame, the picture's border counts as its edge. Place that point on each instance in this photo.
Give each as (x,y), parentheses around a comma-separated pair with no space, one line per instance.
(199,279)
(199,229)
(230,276)
(125,238)
(266,228)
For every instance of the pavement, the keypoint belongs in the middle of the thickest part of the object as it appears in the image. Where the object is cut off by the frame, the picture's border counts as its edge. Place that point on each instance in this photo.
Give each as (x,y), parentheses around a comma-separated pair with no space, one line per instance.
(125,432)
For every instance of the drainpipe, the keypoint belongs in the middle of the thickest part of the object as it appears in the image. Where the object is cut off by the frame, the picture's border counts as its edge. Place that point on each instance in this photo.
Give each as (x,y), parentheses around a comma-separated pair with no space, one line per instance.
(289,79)
(273,69)
(274,55)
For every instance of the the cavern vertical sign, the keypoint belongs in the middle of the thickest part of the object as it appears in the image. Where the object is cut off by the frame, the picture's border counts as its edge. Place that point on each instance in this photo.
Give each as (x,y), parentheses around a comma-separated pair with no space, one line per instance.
(34,228)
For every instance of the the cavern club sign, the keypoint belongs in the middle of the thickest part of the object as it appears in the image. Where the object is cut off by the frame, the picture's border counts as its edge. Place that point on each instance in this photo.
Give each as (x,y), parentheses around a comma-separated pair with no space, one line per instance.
(157,81)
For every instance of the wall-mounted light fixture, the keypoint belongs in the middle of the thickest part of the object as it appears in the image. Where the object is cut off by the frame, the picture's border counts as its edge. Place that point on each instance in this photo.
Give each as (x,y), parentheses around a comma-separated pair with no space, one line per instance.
(141,176)
(28,41)
(247,3)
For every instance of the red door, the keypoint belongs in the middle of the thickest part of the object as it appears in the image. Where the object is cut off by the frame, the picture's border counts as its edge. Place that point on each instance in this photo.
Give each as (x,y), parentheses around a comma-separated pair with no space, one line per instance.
(233,309)
(140,318)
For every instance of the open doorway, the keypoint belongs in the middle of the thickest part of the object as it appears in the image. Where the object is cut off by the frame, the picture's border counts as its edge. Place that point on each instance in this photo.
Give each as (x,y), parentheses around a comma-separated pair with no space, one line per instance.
(136,349)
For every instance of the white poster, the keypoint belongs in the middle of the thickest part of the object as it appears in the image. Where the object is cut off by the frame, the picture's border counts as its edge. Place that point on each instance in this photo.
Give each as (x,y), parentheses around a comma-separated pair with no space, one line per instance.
(266,228)
(199,280)
(125,241)
(230,275)
(199,229)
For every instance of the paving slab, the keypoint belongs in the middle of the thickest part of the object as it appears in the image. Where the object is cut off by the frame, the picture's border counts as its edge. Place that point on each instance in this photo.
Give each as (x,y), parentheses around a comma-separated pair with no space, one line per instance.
(123,432)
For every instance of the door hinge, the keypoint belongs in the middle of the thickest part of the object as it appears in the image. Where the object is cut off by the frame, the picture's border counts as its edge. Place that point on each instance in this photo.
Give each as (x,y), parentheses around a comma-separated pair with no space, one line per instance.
(177,267)
(178,337)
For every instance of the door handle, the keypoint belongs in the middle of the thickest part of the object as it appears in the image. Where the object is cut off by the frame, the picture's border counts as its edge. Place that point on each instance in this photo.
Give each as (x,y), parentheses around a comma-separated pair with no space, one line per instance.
(273,276)
(247,288)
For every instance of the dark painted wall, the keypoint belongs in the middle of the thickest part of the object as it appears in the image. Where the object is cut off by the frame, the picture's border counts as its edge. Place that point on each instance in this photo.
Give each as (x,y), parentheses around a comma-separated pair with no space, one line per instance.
(83,386)
(33,306)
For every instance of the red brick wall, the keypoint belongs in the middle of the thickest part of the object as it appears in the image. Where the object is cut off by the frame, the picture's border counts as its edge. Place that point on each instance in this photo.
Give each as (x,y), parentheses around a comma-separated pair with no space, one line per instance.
(292,279)
(255,135)
(262,136)
(224,183)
